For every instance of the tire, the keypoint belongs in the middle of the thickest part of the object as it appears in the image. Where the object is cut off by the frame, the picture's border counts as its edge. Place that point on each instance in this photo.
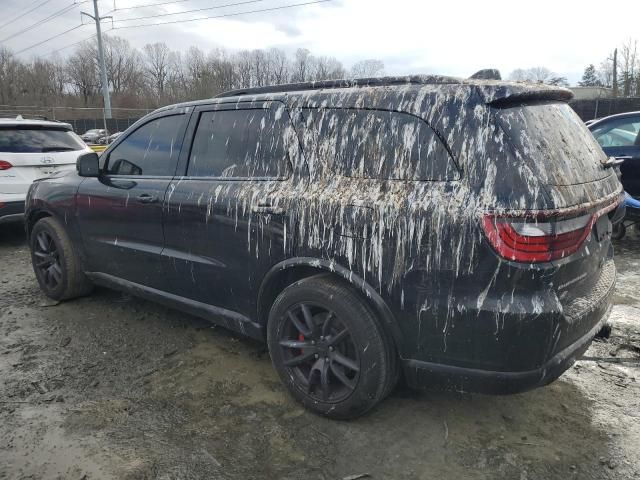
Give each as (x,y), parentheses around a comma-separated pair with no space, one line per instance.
(332,373)
(604,332)
(55,263)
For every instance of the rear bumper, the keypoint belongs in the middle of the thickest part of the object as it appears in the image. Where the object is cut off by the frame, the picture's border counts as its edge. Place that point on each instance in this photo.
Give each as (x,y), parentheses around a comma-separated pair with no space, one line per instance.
(11,211)
(421,374)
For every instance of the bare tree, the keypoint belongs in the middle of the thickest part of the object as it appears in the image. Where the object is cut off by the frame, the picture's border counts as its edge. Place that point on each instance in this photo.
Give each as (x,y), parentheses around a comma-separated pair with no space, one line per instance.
(9,73)
(155,74)
(301,65)
(367,68)
(278,66)
(533,74)
(157,62)
(176,84)
(628,66)
(244,68)
(605,72)
(82,72)
(328,68)
(123,65)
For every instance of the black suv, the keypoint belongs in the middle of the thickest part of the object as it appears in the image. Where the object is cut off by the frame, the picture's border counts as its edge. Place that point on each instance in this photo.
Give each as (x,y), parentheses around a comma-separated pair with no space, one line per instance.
(453,231)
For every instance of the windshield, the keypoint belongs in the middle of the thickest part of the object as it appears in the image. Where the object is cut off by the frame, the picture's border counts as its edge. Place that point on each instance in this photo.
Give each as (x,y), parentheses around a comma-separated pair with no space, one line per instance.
(624,132)
(38,140)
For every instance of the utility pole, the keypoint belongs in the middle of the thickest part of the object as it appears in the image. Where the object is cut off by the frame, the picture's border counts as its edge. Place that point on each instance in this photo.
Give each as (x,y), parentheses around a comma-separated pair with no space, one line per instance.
(103,68)
(615,73)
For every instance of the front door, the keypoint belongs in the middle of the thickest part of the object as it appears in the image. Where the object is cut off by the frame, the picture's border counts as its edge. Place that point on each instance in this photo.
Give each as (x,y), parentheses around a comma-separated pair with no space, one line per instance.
(120,213)
(227,219)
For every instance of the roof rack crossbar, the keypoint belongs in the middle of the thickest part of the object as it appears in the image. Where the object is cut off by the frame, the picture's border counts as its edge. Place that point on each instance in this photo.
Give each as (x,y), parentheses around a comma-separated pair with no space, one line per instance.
(328,84)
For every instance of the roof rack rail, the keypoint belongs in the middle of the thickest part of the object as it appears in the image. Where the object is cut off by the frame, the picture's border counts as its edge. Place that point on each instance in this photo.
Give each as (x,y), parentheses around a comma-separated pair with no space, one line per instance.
(357,82)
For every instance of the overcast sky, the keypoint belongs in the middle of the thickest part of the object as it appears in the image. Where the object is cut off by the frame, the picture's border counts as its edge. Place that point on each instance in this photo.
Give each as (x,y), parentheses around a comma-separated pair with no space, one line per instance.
(453,37)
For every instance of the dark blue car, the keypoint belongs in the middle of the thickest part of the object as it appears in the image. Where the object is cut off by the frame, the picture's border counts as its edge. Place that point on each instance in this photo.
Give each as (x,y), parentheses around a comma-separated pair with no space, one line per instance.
(619,136)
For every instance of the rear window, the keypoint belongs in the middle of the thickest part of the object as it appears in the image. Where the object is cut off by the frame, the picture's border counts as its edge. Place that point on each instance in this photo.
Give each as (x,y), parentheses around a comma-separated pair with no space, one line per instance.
(377,144)
(552,141)
(38,140)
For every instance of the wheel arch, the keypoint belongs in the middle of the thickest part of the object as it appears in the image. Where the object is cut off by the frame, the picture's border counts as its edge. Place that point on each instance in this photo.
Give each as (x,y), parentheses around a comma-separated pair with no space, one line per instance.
(34,216)
(292,270)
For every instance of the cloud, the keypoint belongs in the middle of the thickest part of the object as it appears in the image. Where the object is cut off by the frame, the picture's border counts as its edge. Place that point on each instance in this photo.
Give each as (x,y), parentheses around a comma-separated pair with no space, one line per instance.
(411,36)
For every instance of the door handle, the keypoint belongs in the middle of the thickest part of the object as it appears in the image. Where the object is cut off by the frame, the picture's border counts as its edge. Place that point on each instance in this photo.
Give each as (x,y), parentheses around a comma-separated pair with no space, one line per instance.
(146,198)
(267,209)
(624,157)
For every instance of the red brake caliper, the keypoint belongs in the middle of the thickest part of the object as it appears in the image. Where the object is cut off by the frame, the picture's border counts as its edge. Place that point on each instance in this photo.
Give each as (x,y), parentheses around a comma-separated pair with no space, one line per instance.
(301,338)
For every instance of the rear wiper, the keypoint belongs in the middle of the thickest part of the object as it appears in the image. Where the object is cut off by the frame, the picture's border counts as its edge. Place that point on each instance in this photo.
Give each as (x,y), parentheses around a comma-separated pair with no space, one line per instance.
(57,149)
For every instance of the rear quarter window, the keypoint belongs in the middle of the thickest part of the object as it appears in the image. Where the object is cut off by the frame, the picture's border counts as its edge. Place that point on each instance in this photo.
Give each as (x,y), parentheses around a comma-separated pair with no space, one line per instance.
(38,140)
(376,144)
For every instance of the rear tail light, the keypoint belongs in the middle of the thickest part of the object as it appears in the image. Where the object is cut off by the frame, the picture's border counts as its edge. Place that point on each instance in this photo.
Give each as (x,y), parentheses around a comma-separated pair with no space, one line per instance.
(4,165)
(536,239)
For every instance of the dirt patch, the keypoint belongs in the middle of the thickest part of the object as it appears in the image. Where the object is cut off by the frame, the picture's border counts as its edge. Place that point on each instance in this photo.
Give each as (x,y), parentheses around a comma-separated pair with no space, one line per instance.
(110,386)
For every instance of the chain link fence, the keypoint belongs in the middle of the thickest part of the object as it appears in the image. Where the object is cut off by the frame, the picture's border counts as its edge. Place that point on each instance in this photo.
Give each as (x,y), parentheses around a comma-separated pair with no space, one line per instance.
(81,118)
(114,125)
(603,107)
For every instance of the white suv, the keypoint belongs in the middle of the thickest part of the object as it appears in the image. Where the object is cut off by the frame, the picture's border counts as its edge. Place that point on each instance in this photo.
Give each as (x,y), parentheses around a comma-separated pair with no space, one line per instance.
(31,149)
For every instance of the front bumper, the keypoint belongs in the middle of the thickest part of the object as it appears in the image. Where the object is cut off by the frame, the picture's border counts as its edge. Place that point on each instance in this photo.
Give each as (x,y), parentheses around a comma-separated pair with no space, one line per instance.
(11,211)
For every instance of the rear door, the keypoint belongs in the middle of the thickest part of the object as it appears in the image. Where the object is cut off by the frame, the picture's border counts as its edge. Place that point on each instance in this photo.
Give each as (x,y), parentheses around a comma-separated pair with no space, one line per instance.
(120,212)
(226,220)
(621,138)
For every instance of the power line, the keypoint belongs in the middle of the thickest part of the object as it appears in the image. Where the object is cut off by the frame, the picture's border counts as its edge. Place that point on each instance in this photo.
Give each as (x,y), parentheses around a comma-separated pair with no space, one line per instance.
(40,22)
(25,13)
(221,16)
(147,5)
(50,38)
(189,11)
(71,45)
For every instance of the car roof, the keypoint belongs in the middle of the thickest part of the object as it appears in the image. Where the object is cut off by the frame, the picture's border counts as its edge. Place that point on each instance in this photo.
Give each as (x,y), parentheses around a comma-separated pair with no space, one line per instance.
(493,91)
(26,122)
(613,117)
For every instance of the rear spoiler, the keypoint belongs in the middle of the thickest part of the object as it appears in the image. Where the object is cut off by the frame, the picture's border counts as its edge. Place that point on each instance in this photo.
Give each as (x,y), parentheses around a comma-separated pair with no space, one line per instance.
(513,95)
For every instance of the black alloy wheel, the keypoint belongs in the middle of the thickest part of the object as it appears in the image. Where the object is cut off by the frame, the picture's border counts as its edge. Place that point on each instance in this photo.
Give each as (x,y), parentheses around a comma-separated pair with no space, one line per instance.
(318,348)
(47,260)
(55,261)
(329,347)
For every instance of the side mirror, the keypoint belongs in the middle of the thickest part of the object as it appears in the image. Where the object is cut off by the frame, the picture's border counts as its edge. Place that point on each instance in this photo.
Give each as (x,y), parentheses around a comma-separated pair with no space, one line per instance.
(88,165)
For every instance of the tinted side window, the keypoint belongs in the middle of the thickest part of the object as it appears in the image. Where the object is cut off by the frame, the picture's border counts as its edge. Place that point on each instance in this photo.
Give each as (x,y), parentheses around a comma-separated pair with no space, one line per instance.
(240,144)
(378,144)
(152,149)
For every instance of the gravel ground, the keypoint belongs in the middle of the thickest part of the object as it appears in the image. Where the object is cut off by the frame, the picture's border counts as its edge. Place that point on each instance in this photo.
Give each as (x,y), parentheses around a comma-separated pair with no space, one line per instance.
(111,386)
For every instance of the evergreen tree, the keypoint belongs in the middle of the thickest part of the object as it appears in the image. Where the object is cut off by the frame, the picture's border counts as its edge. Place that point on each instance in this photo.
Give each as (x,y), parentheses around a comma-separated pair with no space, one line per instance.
(590,77)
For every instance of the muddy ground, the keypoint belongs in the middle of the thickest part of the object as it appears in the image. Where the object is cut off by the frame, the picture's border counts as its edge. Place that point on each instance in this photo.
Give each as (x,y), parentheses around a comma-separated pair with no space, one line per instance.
(111,386)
